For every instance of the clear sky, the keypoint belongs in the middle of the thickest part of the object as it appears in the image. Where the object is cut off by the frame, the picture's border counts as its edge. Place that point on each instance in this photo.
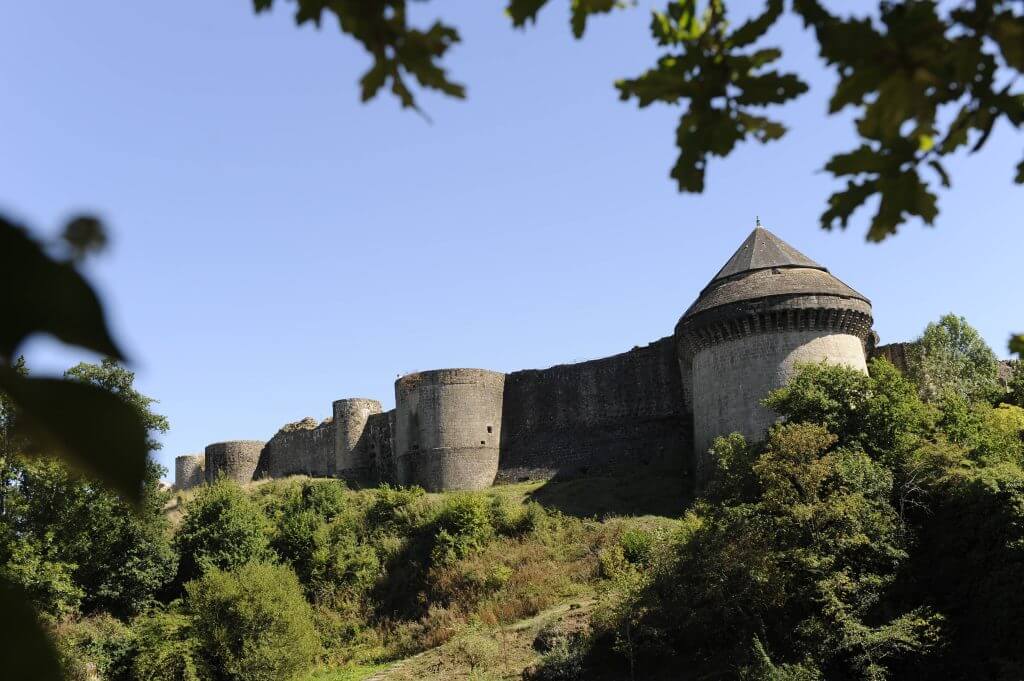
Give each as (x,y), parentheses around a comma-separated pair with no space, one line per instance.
(277,245)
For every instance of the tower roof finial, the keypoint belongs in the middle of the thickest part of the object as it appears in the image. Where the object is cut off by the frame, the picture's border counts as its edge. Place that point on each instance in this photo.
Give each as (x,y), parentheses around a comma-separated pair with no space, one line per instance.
(757,221)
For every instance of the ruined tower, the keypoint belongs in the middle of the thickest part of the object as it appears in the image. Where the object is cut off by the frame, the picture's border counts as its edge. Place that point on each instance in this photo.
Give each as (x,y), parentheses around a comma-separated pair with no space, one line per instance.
(353,450)
(448,428)
(769,308)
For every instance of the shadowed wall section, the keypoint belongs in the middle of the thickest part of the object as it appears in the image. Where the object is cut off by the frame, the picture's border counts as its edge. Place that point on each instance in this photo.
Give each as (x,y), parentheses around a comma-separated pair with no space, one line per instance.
(624,411)
(354,451)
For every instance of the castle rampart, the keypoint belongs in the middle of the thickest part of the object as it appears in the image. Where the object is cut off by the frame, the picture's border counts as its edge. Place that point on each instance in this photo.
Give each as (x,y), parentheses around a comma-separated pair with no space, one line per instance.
(354,451)
(652,408)
(448,428)
(234,459)
(623,411)
(301,448)
(189,470)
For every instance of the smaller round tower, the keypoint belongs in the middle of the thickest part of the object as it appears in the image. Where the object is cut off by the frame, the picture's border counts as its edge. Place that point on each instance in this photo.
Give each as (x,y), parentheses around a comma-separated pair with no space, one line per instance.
(354,455)
(448,428)
(768,309)
(235,459)
(189,471)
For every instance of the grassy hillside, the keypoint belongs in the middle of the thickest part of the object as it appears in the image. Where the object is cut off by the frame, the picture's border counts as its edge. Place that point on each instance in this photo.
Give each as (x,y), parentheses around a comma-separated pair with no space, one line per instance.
(458,585)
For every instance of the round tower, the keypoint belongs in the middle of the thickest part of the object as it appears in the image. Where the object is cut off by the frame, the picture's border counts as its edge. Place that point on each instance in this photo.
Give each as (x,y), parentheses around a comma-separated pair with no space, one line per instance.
(235,459)
(354,455)
(448,428)
(768,309)
(189,471)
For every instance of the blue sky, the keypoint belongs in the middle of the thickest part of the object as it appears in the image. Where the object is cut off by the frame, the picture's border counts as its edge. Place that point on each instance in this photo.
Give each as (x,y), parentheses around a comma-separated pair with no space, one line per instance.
(277,245)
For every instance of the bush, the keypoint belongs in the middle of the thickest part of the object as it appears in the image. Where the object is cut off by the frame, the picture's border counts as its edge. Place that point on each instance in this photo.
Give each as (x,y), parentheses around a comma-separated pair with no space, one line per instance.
(253,623)
(341,562)
(463,525)
(395,508)
(99,646)
(476,648)
(49,584)
(167,649)
(221,529)
(637,546)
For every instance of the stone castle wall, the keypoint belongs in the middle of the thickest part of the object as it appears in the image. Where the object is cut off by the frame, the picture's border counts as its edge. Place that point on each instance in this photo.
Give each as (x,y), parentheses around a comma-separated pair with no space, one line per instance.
(189,470)
(448,428)
(624,411)
(235,459)
(732,377)
(301,448)
(354,451)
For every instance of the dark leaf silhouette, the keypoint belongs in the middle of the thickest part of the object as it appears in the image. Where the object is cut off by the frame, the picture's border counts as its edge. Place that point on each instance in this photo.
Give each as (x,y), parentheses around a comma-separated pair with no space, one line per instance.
(99,433)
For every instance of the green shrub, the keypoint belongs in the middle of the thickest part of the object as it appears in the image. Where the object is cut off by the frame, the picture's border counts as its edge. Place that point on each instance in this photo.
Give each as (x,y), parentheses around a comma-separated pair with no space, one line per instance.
(463,525)
(564,662)
(342,562)
(325,498)
(167,648)
(222,528)
(49,584)
(637,546)
(476,648)
(100,645)
(296,539)
(253,623)
(396,508)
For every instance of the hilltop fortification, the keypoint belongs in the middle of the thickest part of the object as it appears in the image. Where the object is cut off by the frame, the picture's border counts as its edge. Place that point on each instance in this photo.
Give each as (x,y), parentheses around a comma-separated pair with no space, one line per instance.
(655,407)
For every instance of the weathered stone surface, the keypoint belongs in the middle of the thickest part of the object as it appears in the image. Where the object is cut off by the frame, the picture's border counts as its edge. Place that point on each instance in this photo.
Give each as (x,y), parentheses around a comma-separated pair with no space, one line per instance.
(766,311)
(731,379)
(619,412)
(305,447)
(234,459)
(448,428)
(189,471)
(354,448)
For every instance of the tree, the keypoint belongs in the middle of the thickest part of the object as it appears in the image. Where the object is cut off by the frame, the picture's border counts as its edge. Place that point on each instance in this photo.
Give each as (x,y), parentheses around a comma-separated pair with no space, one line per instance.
(117,556)
(117,380)
(925,79)
(1016,384)
(83,424)
(221,529)
(253,623)
(952,359)
(788,566)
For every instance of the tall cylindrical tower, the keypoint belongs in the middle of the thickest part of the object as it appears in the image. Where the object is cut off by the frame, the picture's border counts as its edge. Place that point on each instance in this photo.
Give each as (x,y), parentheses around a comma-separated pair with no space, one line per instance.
(768,309)
(235,459)
(448,428)
(189,471)
(354,454)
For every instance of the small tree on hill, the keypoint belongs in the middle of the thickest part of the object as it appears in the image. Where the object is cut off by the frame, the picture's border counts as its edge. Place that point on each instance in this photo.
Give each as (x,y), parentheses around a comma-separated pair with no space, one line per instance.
(951,358)
(222,529)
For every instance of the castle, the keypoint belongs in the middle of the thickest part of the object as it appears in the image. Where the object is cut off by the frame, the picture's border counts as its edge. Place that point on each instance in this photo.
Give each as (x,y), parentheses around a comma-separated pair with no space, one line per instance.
(659,406)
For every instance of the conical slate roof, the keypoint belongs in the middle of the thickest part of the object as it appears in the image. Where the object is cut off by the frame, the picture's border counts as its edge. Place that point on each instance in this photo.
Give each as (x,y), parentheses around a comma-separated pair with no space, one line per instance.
(762,250)
(766,268)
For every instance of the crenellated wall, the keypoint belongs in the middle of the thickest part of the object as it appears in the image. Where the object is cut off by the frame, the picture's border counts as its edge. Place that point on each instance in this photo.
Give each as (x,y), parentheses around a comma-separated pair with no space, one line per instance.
(619,412)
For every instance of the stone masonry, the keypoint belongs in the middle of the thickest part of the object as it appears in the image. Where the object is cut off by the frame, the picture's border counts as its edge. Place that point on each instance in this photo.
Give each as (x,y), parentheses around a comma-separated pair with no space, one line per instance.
(656,407)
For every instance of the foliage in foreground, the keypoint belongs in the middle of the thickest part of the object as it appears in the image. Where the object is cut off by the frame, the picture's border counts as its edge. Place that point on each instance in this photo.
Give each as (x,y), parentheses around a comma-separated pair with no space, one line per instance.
(870,536)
